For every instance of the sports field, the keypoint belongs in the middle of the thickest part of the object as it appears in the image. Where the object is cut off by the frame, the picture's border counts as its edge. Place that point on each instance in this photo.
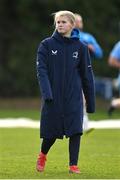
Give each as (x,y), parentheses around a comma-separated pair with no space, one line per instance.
(99,157)
(19,147)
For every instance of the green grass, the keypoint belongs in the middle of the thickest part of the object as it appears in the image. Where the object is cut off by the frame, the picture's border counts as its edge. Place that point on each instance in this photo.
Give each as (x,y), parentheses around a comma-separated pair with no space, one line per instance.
(29,108)
(101,114)
(19,147)
(35,114)
(99,156)
(17,113)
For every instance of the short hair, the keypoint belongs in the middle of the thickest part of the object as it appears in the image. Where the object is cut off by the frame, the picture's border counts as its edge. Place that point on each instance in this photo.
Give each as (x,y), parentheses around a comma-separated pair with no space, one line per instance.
(66,13)
(76,14)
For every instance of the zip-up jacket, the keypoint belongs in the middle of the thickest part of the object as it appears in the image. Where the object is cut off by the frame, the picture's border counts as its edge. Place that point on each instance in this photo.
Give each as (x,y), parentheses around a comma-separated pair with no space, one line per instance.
(64,71)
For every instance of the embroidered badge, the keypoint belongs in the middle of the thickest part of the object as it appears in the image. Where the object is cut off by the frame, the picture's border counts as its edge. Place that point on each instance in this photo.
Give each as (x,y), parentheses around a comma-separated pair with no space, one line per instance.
(54,52)
(75,54)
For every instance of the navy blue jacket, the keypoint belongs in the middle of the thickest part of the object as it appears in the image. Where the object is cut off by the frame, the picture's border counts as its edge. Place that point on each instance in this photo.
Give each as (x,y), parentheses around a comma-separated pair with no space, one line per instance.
(64,70)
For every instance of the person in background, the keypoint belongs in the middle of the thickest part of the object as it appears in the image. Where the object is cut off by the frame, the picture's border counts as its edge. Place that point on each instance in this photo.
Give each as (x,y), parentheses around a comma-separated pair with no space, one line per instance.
(114,61)
(64,73)
(95,53)
(93,46)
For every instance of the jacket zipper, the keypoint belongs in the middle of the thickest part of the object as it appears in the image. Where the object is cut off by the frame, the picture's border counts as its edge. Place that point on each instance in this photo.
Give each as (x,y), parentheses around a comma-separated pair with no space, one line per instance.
(64,63)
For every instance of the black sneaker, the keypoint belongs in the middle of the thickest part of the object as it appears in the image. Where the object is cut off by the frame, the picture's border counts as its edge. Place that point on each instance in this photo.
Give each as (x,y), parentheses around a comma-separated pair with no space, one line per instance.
(110,110)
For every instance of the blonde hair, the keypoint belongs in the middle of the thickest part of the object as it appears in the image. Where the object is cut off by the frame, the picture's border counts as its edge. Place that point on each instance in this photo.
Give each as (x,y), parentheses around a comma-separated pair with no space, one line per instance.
(78,15)
(68,14)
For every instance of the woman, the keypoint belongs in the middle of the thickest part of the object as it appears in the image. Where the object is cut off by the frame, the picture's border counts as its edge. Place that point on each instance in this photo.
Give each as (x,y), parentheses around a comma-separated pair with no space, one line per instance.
(64,71)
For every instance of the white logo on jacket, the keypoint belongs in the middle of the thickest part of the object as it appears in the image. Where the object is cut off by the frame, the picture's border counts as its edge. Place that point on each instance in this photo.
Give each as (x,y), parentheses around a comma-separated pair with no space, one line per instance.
(54,52)
(75,54)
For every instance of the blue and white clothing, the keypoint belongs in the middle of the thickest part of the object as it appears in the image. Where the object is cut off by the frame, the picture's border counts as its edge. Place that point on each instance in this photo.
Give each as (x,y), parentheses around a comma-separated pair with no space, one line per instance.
(88,39)
(115,53)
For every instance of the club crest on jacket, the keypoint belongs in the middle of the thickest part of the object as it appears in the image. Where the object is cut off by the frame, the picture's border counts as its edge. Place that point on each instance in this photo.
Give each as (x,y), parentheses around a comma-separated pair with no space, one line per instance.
(75,54)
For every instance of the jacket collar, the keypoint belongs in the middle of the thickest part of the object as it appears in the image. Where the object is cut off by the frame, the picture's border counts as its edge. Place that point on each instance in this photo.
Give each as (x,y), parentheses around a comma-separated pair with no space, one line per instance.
(60,38)
(75,33)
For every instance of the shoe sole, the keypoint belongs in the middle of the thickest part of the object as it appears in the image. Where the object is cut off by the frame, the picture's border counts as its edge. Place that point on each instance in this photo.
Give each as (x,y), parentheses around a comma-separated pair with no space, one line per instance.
(71,172)
(42,170)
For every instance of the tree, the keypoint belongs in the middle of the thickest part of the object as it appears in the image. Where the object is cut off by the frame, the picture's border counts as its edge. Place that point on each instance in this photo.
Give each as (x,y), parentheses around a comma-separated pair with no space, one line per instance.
(24,23)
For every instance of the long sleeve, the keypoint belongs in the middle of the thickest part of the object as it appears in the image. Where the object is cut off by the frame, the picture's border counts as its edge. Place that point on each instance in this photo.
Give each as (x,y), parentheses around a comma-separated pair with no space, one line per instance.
(98,53)
(87,79)
(42,72)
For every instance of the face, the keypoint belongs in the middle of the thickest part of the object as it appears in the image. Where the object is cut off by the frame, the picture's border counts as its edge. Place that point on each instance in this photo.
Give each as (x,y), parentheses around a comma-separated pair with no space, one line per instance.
(64,26)
(78,22)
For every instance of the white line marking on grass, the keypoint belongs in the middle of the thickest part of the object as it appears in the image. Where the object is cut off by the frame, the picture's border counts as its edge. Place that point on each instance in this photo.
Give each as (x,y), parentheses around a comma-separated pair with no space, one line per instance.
(104,124)
(19,122)
(29,123)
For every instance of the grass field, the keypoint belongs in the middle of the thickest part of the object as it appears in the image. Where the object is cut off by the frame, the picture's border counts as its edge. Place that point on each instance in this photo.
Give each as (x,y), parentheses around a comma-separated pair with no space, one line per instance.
(35,114)
(19,147)
(29,108)
(99,157)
